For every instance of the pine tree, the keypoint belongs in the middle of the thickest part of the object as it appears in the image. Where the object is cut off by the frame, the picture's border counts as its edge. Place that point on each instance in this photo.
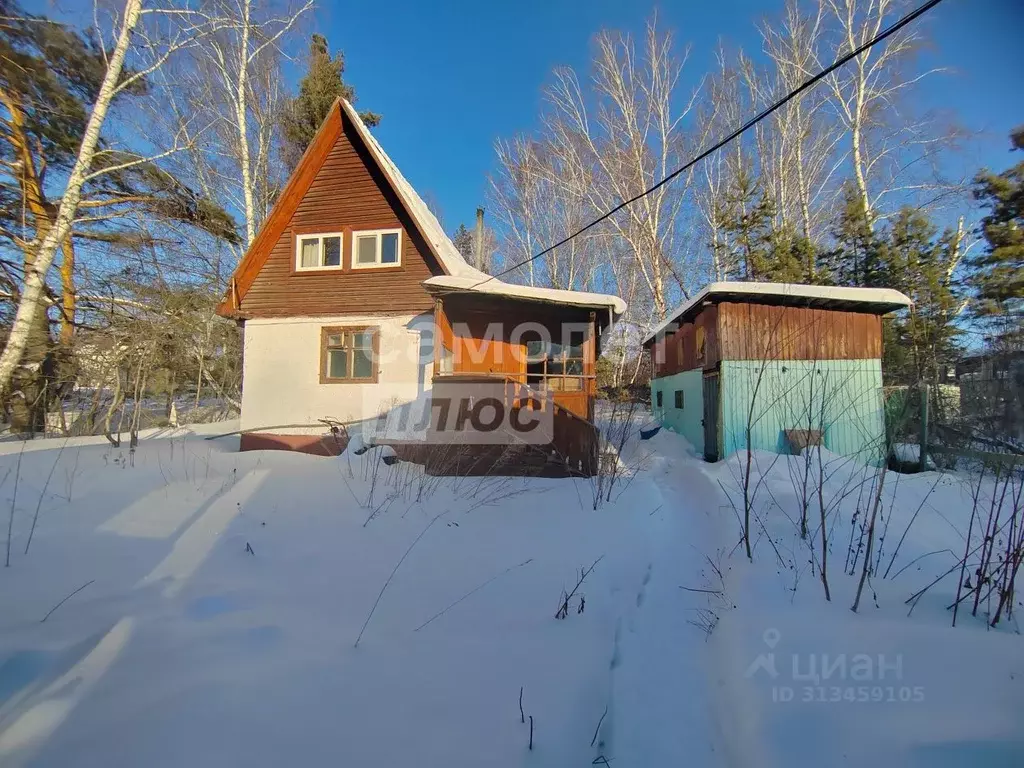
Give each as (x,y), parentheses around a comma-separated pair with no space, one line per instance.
(999,277)
(463,241)
(323,83)
(913,259)
(792,258)
(855,260)
(746,214)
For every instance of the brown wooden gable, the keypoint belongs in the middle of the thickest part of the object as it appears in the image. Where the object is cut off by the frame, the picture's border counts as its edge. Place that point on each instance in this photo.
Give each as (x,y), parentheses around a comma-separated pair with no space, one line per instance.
(337,187)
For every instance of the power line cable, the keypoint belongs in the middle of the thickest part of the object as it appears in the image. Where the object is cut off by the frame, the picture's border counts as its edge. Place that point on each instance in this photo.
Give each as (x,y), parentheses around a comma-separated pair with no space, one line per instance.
(810,83)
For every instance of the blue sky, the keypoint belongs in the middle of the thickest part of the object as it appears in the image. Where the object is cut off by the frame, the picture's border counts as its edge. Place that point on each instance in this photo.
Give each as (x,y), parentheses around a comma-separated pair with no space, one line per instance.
(451,77)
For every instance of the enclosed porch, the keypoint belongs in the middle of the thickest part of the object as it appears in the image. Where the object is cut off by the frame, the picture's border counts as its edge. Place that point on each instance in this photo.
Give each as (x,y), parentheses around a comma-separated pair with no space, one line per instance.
(539,359)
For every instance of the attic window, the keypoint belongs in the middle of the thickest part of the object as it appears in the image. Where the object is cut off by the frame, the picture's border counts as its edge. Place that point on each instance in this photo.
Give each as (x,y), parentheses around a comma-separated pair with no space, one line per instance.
(378,248)
(318,251)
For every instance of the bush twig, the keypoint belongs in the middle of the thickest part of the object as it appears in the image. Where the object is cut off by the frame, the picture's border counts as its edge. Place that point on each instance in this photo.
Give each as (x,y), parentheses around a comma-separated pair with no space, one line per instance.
(394,570)
(58,605)
(42,494)
(598,729)
(471,592)
(563,608)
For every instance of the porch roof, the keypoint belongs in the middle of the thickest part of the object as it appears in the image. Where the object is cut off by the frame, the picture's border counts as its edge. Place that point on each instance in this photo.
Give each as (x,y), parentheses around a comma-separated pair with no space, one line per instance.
(490,286)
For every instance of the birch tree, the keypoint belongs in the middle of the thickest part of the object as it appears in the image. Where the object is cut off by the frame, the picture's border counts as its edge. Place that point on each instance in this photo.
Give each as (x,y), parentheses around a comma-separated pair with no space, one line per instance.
(629,131)
(241,58)
(539,196)
(805,154)
(888,147)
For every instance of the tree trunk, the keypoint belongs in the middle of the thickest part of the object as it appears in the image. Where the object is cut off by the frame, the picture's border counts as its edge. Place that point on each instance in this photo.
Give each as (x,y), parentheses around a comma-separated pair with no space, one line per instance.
(30,390)
(69,299)
(242,125)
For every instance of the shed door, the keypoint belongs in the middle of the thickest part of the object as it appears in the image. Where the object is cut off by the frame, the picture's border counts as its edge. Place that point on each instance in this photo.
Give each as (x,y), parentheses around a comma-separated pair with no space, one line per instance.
(710,420)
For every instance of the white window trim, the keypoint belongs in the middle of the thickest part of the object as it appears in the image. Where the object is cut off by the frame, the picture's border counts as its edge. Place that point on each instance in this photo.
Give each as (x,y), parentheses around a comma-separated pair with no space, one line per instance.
(356,234)
(321,236)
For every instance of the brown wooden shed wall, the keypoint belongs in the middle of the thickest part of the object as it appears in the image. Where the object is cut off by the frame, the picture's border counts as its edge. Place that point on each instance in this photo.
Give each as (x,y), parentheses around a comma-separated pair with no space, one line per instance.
(741,331)
(762,331)
(348,193)
(680,349)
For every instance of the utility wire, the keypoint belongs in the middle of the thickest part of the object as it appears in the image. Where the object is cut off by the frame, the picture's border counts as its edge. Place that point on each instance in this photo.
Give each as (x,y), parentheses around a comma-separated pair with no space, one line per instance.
(810,83)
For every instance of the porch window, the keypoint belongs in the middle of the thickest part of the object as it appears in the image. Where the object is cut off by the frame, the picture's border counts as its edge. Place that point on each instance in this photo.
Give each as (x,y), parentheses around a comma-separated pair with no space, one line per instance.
(318,251)
(447,362)
(378,248)
(348,354)
(558,367)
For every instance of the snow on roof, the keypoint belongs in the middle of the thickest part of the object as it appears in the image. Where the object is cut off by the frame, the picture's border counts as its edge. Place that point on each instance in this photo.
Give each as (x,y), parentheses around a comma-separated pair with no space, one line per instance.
(459,283)
(461,276)
(878,300)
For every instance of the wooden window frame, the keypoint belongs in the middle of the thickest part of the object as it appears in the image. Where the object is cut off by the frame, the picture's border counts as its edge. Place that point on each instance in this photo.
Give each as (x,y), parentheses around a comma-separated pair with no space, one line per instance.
(378,233)
(299,237)
(328,330)
(562,358)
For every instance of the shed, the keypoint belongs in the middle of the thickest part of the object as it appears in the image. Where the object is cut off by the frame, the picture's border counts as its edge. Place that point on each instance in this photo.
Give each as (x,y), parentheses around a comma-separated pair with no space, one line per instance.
(774,366)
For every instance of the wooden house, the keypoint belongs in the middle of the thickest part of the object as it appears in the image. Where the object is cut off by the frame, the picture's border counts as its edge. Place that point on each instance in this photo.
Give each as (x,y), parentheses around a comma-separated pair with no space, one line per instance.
(774,365)
(355,302)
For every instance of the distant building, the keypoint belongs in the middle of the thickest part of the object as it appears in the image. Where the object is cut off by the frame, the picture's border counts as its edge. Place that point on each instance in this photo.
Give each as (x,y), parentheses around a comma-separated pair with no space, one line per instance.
(992,392)
(786,365)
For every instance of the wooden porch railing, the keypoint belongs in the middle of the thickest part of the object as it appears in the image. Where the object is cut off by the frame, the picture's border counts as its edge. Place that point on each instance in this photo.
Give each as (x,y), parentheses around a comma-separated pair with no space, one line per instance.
(575,440)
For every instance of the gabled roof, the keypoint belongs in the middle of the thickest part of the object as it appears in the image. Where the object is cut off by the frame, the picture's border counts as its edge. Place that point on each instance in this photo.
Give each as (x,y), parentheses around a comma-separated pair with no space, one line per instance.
(459,276)
(876,301)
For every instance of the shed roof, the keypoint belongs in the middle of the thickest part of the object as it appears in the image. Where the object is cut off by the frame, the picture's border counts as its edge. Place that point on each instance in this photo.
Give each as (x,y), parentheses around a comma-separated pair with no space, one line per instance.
(877,301)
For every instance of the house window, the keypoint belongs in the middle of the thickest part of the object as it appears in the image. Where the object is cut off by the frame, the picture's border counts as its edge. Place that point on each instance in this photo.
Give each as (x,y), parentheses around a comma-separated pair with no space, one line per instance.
(679,398)
(658,398)
(380,248)
(318,251)
(348,354)
(558,367)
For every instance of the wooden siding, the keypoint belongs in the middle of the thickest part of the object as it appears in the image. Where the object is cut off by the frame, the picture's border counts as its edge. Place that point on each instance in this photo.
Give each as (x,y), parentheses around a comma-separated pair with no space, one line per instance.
(762,331)
(348,193)
(680,349)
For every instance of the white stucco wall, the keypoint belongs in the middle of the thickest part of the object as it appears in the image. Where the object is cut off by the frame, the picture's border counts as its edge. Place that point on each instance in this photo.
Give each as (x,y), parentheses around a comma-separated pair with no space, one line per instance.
(281,374)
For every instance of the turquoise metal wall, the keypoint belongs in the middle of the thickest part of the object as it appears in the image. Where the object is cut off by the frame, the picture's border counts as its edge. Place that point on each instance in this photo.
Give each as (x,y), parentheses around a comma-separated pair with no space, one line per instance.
(685,421)
(842,397)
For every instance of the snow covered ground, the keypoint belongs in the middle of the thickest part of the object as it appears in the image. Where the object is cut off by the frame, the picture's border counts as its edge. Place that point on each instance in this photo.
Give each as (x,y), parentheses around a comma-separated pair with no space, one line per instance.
(222,596)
